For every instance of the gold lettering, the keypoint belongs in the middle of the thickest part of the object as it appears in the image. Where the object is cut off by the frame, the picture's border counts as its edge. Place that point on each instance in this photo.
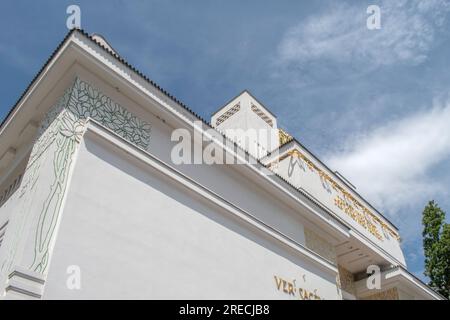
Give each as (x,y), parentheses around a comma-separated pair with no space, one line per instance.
(357,216)
(301,293)
(291,289)
(285,286)
(278,282)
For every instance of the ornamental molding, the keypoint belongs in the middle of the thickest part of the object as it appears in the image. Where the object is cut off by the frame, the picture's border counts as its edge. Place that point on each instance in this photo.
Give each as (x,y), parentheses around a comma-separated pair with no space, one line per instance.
(262,115)
(223,117)
(24,283)
(283,136)
(345,201)
(2,232)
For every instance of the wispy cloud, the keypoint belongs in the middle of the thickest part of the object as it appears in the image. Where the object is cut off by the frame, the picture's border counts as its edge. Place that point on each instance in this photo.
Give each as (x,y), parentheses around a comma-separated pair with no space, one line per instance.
(392,164)
(340,35)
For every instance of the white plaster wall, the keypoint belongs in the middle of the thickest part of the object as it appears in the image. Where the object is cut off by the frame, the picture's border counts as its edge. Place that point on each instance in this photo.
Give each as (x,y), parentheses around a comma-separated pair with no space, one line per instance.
(135,234)
(246,119)
(227,181)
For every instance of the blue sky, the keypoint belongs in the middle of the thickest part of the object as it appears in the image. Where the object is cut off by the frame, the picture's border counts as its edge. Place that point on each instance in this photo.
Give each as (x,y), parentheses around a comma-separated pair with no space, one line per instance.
(373,104)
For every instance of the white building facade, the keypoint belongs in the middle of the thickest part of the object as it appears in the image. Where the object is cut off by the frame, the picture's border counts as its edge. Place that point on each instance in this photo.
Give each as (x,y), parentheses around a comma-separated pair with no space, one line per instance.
(93,206)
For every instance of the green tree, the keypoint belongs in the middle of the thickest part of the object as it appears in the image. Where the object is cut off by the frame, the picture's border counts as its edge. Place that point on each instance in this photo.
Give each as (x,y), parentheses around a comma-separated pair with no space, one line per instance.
(436,245)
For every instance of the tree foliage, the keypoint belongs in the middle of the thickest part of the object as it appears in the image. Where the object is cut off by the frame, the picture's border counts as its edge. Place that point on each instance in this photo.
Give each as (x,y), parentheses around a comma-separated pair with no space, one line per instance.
(436,245)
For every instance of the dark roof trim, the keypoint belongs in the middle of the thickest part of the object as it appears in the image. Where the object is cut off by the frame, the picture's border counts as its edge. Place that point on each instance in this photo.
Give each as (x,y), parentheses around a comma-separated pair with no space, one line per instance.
(106,41)
(115,55)
(124,62)
(169,96)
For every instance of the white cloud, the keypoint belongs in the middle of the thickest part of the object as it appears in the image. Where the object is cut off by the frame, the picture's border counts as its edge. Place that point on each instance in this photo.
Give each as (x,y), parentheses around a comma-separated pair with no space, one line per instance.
(391,165)
(340,35)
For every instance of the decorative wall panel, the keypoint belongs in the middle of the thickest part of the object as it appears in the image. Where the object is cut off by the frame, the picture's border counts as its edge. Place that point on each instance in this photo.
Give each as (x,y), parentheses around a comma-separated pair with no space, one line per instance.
(46,177)
(228,113)
(346,280)
(262,115)
(320,246)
